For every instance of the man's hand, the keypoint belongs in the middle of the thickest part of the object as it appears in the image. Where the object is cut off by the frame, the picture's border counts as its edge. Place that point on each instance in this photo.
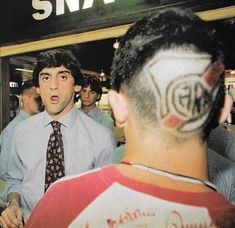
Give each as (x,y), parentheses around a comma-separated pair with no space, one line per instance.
(11,217)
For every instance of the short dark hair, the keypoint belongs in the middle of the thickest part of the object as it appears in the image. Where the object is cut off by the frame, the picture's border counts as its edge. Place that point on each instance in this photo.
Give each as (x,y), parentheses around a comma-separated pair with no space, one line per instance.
(94,83)
(14,99)
(57,58)
(168,29)
(27,85)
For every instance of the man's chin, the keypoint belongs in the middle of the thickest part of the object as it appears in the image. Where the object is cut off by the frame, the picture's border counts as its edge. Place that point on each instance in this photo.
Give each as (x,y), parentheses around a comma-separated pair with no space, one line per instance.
(87,104)
(54,111)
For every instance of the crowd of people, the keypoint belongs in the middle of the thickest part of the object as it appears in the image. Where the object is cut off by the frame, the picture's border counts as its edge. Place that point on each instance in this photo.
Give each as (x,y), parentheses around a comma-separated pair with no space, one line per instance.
(61,165)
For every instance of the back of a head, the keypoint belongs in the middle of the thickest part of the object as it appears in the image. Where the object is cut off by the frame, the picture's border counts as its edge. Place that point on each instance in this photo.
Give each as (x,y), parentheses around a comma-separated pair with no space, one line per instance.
(169,65)
(57,58)
(27,85)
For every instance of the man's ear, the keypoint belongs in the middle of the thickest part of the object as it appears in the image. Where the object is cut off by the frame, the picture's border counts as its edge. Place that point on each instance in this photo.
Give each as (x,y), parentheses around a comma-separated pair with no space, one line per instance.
(38,90)
(118,102)
(226,109)
(98,97)
(77,88)
(25,98)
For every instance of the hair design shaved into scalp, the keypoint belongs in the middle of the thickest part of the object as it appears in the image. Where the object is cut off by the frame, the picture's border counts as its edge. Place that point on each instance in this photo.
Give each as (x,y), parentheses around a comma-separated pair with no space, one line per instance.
(170,66)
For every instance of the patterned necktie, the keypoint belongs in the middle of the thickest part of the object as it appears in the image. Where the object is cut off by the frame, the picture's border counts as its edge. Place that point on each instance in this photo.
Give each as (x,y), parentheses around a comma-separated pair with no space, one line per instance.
(55,156)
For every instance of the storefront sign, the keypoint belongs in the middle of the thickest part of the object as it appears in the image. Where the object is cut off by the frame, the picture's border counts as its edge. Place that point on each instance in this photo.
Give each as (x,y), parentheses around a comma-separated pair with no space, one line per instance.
(46,7)
(13,84)
(30,20)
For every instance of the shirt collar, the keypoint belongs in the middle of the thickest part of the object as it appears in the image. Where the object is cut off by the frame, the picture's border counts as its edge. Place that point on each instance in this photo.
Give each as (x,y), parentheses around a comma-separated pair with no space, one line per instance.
(93,113)
(24,114)
(67,120)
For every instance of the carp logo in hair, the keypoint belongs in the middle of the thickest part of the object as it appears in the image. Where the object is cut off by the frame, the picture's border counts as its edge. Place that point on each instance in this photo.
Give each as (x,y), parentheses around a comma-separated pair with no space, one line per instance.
(185,85)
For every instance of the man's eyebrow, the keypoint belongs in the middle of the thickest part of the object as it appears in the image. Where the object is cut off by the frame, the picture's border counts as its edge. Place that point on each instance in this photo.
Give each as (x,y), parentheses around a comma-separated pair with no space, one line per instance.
(64,71)
(43,73)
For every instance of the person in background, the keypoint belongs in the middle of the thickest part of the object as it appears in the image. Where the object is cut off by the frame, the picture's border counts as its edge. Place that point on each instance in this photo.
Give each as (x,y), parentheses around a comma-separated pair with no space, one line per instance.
(30,105)
(221,169)
(167,89)
(59,141)
(14,106)
(90,93)
(221,173)
(222,140)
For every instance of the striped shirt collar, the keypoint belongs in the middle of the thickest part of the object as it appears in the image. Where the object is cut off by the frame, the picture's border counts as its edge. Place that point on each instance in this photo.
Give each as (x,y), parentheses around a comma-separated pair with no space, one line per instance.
(67,120)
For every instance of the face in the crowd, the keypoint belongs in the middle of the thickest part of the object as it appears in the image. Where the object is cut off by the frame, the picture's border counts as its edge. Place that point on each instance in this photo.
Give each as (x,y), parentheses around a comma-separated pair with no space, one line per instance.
(88,97)
(34,103)
(57,88)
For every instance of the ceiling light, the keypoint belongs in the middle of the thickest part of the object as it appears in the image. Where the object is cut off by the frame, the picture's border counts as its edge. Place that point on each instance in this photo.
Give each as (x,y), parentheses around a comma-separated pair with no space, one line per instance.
(116,44)
(102,74)
(24,70)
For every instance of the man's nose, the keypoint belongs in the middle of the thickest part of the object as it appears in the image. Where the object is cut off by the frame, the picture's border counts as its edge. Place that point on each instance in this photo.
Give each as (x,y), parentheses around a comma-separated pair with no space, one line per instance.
(87,95)
(54,83)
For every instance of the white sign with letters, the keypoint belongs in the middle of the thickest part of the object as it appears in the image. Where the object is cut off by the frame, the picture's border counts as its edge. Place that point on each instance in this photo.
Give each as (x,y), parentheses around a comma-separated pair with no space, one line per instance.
(45,7)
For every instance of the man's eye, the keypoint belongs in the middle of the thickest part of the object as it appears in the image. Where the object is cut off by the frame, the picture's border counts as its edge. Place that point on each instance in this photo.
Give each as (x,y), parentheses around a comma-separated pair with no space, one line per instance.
(45,77)
(63,77)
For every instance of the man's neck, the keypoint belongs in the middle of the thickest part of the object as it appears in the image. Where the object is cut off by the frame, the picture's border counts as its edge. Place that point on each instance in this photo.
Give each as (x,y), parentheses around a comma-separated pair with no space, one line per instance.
(162,151)
(62,113)
(88,109)
(27,110)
